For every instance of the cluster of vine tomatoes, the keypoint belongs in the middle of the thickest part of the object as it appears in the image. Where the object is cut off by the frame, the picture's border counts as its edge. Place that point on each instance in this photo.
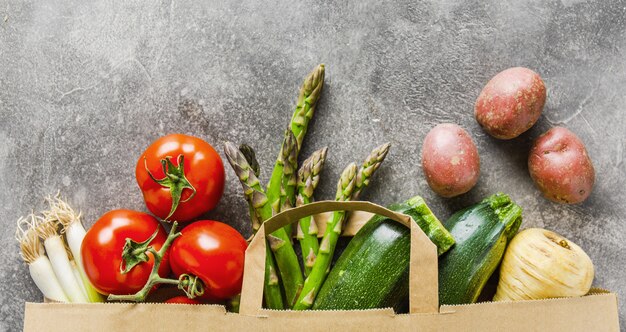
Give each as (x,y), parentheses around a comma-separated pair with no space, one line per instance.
(181,178)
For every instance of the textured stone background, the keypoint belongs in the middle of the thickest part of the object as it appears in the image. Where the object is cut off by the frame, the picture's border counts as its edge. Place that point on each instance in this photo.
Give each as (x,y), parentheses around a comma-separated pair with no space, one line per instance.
(85,86)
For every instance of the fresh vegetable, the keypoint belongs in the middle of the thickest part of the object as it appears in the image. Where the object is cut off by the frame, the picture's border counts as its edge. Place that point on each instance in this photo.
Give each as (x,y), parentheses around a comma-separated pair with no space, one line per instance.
(214,252)
(281,187)
(261,210)
(373,270)
(308,178)
(181,177)
(289,160)
(308,97)
(138,252)
(367,169)
(540,264)
(182,300)
(450,160)
(560,166)
(350,185)
(481,232)
(47,229)
(510,103)
(39,265)
(104,244)
(74,235)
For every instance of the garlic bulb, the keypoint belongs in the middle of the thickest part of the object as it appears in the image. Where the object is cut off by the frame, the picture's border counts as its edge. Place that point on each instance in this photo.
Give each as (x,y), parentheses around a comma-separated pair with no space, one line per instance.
(540,264)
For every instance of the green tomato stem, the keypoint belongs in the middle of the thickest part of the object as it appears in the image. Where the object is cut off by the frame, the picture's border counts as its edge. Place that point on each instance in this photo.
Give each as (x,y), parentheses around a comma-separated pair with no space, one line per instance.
(175,180)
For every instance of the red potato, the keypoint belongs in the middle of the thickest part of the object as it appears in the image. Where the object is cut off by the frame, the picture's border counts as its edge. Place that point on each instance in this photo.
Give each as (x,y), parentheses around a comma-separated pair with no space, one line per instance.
(450,160)
(510,103)
(560,166)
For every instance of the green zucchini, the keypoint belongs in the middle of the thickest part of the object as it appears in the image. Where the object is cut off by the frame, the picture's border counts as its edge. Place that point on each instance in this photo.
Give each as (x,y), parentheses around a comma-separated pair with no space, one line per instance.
(373,270)
(482,232)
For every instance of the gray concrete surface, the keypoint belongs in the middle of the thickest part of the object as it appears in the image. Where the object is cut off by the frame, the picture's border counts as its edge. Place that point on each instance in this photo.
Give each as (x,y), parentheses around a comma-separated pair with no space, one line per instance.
(85,86)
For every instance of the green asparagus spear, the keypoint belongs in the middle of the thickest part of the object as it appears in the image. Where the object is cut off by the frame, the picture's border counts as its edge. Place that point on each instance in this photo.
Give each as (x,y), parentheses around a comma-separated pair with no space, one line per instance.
(272,291)
(291,274)
(289,156)
(368,168)
(259,211)
(308,178)
(307,100)
(250,155)
(251,185)
(345,191)
(281,187)
(310,93)
(278,241)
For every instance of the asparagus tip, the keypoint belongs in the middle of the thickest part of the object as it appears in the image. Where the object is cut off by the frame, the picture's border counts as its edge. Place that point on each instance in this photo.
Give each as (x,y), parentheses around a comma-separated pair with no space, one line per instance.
(322,152)
(230,149)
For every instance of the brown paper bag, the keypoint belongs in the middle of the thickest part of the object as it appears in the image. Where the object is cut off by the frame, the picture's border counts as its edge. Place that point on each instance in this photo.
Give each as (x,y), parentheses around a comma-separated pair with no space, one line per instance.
(594,312)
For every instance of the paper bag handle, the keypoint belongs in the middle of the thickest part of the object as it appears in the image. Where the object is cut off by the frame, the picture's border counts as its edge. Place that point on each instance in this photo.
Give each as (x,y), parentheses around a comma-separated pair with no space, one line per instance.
(423,277)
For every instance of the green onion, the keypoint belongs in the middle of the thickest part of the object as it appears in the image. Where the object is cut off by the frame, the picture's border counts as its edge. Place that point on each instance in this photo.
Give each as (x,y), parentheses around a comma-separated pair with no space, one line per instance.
(74,232)
(52,241)
(39,266)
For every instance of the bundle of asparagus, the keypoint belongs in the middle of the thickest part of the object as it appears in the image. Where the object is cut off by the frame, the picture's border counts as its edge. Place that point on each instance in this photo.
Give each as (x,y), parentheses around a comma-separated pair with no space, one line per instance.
(288,187)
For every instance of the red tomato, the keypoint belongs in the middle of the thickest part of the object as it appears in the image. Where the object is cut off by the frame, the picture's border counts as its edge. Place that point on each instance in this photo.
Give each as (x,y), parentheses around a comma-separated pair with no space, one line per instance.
(182,299)
(102,251)
(214,252)
(180,193)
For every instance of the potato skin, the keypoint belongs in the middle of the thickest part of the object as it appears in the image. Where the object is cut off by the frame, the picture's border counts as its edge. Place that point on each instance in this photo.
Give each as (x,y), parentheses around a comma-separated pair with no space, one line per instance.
(510,103)
(450,160)
(560,166)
